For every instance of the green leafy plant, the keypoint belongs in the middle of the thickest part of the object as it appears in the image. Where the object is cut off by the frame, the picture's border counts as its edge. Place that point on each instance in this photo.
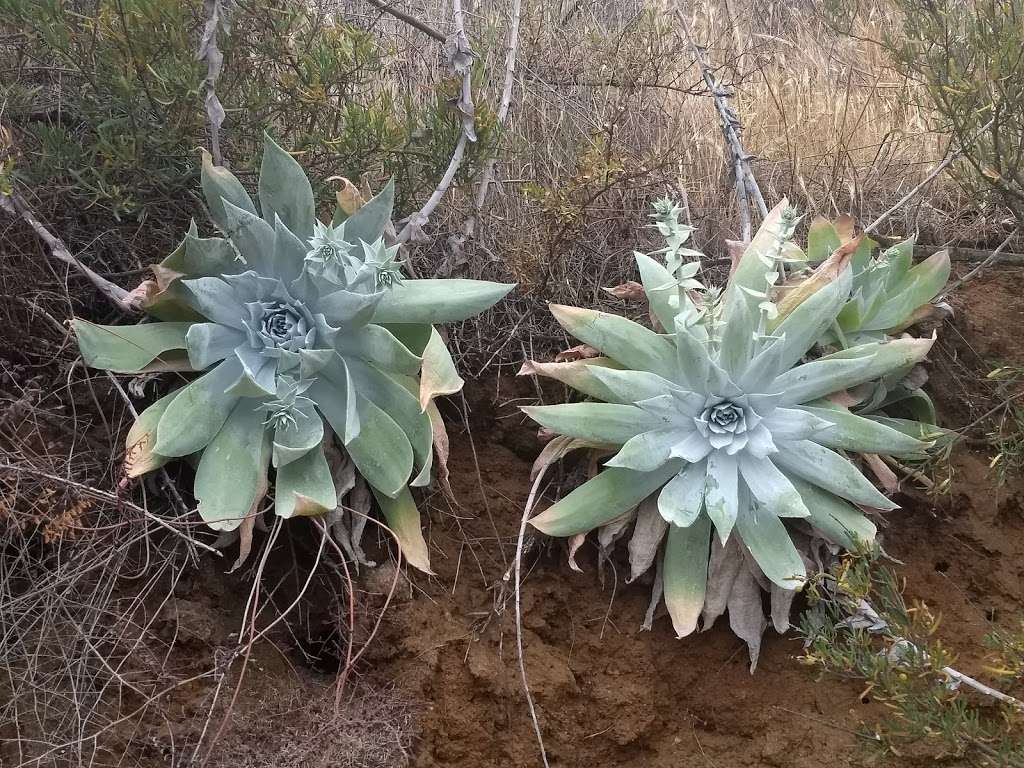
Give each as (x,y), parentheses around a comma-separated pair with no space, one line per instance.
(889,294)
(859,626)
(293,323)
(725,444)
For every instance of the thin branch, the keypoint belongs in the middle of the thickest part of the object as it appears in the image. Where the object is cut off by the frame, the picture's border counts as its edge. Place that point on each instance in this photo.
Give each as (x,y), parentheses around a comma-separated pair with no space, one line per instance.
(949,160)
(412,21)
(992,259)
(102,495)
(469,229)
(460,57)
(745,184)
(126,301)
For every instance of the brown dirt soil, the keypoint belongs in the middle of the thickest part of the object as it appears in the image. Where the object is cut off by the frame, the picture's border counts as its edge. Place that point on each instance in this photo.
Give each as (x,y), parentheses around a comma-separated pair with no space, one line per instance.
(608,694)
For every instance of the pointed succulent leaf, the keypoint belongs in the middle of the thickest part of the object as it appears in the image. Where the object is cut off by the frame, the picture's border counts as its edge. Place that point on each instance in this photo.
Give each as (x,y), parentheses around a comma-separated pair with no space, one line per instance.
(220,186)
(839,520)
(377,346)
(232,473)
(289,252)
(661,288)
(196,415)
(646,451)
(581,375)
(202,257)
(822,240)
(721,499)
(850,432)
(752,266)
(685,573)
(254,239)
(370,221)
(132,348)
(381,451)
(771,489)
(304,487)
(438,301)
(599,422)
(805,324)
(921,284)
(827,469)
(766,537)
(626,342)
(438,376)
(848,368)
(285,190)
(404,521)
(601,499)
(215,300)
(395,398)
(630,386)
(336,400)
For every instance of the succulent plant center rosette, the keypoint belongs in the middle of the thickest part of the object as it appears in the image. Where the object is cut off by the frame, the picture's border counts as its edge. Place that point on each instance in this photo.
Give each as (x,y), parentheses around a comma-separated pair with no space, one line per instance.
(728,453)
(308,342)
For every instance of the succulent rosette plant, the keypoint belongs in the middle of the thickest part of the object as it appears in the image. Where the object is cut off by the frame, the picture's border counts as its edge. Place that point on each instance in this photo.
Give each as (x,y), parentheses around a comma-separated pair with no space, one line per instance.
(309,345)
(727,454)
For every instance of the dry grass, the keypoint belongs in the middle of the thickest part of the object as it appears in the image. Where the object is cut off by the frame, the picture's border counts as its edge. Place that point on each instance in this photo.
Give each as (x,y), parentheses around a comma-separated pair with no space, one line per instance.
(609,113)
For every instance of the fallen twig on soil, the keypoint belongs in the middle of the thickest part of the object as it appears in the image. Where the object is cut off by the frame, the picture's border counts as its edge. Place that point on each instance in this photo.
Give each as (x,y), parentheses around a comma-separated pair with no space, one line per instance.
(126,301)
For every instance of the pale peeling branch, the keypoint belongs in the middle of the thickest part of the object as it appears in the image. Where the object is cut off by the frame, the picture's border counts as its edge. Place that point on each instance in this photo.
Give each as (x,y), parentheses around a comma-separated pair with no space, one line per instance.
(746,185)
(511,53)
(460,57)
(216,19)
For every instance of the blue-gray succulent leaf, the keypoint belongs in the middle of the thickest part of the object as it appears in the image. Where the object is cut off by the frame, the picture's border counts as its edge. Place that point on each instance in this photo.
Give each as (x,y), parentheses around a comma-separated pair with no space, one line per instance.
(289,252)
(215,299)
(371,220)
(284,190)
(208,343)
(253,237)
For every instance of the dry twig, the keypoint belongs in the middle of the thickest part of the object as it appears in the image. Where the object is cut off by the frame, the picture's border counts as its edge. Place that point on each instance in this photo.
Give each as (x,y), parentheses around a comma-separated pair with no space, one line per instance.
(124,300)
